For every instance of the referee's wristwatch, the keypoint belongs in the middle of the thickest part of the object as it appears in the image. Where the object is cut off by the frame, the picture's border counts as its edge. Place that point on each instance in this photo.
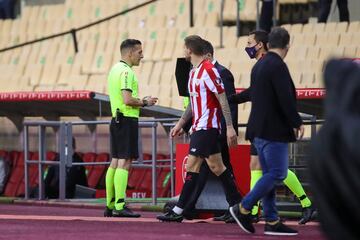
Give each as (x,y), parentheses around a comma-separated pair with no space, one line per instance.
(145,102)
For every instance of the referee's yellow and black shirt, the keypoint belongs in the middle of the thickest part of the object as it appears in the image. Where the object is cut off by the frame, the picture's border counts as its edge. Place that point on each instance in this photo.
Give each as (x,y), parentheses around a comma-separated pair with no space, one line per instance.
(122,77)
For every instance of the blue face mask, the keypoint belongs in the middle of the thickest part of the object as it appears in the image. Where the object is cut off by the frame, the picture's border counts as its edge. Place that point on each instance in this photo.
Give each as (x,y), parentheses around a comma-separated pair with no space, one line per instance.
(251,51)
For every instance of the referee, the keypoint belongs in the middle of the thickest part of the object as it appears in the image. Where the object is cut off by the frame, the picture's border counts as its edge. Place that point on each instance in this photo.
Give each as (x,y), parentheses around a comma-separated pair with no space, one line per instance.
(125,108)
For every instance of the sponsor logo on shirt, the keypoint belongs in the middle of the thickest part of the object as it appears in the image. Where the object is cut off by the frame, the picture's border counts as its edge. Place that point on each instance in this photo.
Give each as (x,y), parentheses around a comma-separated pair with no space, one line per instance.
(126,78)
(193,94)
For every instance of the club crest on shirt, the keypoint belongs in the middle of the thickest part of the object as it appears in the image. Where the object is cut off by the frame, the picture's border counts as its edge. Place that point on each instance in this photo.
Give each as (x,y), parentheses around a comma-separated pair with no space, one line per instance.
(193,94)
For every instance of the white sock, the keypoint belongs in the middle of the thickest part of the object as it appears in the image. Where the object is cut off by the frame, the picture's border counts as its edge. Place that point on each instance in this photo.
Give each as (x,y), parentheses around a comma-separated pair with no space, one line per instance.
(177,210)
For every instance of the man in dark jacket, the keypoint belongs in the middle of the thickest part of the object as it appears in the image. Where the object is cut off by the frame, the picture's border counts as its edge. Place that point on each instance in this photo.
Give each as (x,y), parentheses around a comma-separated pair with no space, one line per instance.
(257,48)
(273,123)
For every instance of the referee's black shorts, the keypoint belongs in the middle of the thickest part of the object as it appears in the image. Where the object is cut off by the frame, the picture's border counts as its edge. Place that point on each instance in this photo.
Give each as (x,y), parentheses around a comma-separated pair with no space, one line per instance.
(124,138)
(204,143)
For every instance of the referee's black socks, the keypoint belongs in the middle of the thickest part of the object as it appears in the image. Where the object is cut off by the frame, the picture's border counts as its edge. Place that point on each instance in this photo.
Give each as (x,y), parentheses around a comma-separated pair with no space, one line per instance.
(232,194)
(188,189)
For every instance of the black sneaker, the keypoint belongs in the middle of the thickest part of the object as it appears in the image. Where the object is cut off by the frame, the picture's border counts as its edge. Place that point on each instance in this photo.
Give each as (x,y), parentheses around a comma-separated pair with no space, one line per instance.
(255,218)
(230,219)
(108,212)
(307,215)
(125,212)
(279,229)
(189,215)
(223,217)
(169,206)
(170,216)
(243,220)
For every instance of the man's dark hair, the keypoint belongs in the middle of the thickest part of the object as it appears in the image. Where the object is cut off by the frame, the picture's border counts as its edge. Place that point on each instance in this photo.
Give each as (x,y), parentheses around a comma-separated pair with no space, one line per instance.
(279,38)
(196,44)
(129,43)
(208,48)
(261,36)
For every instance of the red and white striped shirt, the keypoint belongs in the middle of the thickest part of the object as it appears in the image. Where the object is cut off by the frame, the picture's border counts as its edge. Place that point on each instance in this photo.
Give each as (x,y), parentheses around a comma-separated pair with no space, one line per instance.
(204,83)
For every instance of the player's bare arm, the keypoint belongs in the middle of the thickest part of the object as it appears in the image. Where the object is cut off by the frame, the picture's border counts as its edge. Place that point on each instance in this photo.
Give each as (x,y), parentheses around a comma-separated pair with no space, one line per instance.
(136,102)
(230,131)
(177,130)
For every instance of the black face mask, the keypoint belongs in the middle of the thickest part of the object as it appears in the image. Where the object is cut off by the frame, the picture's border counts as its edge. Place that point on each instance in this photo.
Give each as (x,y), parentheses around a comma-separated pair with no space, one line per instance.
(251,51)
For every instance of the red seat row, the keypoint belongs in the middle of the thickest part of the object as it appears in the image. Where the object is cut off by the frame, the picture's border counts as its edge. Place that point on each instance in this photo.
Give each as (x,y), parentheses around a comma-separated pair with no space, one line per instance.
(139,178)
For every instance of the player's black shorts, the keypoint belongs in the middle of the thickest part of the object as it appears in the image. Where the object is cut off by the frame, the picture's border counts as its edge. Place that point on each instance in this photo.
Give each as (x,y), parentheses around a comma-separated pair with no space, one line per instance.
(253,151)
(204,143)
(124,138)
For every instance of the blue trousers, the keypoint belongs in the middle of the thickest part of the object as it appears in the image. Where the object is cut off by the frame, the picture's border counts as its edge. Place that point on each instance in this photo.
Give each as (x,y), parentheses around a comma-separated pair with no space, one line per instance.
(274,161)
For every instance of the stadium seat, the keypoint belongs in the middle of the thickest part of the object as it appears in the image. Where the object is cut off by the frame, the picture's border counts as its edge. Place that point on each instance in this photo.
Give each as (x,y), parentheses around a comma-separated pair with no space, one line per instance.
(4,155)
(50,74)
(163,184)
(346,39)
(342,27)
(146,71)
(350,51)
(136,176)
(96,83)
(354,27)
(12,157)
(296,28)
(327,38)
(98,171)
(158,50)
(89,157)
(16,175)
(308,79)
(156,74)
(147,156)
(168,50)
(146,182)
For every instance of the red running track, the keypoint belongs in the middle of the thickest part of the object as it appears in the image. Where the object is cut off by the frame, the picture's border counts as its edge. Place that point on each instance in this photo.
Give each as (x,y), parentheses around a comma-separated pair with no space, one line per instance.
(42,222)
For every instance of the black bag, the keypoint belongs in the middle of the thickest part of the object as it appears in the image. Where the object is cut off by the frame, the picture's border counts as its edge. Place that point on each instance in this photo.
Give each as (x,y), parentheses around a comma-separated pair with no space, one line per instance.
(4,174)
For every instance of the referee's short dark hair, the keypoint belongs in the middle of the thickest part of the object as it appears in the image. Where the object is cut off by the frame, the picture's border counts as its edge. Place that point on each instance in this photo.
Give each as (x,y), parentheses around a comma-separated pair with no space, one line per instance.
(208,48)
(261,36)
(279,38)
(129,43)
(196,44)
